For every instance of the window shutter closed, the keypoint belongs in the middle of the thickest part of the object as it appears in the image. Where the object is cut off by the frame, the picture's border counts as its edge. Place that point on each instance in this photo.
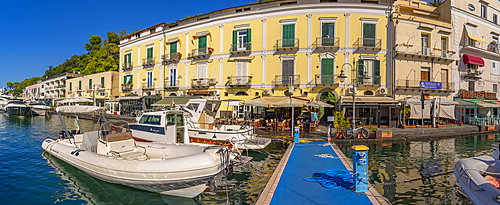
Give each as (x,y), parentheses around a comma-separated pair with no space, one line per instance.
(79,85)
(235,40)
(102,82)
(70,86)
(125,79)
(131,81)
(377,68)
(324,30)
(361,67)
(173,47)
(90,83)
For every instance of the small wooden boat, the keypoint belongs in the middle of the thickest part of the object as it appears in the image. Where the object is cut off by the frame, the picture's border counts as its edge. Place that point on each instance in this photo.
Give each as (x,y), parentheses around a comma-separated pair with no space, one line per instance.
(111,154)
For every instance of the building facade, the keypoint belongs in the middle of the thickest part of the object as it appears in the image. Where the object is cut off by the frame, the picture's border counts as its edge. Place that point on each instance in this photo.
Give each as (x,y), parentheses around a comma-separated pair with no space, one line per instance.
(33,92)
(100,86)
(423,58)
(261,50)
(54,87)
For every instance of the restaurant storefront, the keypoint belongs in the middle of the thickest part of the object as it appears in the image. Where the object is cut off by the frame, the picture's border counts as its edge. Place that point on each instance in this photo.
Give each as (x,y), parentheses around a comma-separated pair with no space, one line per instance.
(377,111)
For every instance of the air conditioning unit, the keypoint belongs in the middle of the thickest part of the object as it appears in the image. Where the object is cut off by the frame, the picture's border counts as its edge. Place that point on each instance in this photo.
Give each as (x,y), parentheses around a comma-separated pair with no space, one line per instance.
(266,92)
(383,91)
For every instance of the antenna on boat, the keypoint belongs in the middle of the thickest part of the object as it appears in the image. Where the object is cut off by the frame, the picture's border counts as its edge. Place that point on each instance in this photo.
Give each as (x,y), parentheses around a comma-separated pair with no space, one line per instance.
(64,125)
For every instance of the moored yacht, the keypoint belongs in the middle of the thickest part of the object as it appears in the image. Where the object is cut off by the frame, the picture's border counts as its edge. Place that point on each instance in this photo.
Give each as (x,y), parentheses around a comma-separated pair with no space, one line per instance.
(38,107)
(199,117)
(17,108)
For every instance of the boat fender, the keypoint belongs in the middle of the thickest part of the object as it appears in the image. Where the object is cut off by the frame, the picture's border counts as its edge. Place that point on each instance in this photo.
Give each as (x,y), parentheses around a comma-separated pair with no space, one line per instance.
(493,181)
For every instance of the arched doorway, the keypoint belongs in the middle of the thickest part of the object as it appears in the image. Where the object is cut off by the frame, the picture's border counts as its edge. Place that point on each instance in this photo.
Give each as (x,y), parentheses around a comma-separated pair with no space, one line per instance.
(326,95)
(172,94)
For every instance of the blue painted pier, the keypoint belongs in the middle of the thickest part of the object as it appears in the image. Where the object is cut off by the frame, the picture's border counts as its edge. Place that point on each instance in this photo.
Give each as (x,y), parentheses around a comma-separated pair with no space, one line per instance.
(301,160)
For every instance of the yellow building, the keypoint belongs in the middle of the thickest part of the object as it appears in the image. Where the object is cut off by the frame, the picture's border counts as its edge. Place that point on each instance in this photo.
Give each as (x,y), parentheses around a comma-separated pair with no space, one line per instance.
(101,86)
(260,50)
(424,59)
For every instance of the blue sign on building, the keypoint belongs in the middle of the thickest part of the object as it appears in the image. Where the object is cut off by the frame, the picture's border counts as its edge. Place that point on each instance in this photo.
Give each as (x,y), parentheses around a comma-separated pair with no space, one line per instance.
(430,85)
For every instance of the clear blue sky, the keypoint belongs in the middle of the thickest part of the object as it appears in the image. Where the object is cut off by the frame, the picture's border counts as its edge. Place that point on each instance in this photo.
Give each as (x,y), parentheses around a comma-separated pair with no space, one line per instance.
(37,34)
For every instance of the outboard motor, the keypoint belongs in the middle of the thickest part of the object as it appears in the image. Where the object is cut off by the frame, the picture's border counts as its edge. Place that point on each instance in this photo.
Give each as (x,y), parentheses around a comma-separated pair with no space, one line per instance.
(496,151)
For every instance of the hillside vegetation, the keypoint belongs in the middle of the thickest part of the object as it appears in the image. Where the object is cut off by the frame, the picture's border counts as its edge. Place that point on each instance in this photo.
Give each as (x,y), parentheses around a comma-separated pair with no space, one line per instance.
(102,55)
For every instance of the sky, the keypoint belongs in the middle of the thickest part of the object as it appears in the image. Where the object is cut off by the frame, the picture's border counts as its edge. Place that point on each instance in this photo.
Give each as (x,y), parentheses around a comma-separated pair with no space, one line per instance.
(38,34)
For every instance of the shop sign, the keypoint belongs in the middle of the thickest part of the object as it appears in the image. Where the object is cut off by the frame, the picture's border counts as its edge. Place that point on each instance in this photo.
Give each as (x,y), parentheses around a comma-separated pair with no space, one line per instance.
(478,95)
(430,85)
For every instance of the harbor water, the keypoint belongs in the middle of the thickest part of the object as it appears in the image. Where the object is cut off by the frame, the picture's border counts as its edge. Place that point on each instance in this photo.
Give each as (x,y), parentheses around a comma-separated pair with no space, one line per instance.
(30,176)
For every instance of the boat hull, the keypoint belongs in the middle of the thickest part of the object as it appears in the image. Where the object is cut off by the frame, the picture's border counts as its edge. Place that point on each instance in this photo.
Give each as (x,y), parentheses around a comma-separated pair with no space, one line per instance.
(39,111)
(468,173)
(18,110)
(161,176)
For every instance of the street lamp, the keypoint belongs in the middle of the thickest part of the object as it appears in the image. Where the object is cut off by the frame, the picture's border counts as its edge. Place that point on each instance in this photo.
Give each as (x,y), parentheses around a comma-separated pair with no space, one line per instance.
(354,81)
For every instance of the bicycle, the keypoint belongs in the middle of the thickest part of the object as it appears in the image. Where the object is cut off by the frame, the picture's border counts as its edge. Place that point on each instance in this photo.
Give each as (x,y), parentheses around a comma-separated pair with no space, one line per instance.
(348,133)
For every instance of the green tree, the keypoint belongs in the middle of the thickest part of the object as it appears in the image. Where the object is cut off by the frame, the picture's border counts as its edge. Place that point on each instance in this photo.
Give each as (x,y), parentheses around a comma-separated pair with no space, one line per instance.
(437,3)
(113,37)
(95,43)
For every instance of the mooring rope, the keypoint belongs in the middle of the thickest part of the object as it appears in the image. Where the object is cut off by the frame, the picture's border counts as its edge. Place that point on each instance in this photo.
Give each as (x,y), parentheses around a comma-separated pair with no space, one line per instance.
(410,180)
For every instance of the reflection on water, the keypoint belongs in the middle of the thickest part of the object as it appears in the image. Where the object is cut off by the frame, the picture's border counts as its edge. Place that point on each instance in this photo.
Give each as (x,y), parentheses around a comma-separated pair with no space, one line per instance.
(403,161)
(26,171)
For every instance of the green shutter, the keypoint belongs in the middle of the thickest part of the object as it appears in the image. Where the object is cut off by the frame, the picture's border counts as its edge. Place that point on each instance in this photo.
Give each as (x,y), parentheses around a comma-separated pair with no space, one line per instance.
(102,82)
(125,58)
(173,47)
(202,44)
(361,67)
(90,84)
(70,86)
(150,52)
(79,85)
(288,35)
(130,57)
(235,40)
(324,30)
(249,35)
(376,73)
(131,79)
(125,79)
(327,70)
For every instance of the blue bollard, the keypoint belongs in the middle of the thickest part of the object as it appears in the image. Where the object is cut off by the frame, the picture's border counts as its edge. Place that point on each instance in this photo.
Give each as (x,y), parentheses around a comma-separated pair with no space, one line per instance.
(296,133)
(360,166)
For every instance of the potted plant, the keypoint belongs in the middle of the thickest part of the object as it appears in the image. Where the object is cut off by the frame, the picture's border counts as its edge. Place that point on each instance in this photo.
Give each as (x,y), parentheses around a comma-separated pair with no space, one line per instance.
(460,123)
(340,123)
(179,55)
(210,50)
(386,134)
(403,125)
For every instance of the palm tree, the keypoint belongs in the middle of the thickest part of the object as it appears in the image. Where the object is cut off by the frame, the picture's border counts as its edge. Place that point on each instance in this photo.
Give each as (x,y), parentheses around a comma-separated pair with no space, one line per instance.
(436,3)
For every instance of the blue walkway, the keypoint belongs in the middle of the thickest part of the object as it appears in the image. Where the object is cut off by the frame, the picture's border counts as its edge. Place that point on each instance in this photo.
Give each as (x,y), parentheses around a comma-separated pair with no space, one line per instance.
(292,189)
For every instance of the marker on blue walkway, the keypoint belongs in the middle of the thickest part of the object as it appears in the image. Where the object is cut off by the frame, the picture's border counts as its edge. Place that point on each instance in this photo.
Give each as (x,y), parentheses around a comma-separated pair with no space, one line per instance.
(296,134)
(360,166)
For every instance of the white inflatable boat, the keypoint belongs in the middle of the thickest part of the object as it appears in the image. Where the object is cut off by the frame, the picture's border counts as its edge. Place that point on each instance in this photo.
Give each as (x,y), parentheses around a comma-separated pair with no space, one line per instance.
(112,155)
(479,177)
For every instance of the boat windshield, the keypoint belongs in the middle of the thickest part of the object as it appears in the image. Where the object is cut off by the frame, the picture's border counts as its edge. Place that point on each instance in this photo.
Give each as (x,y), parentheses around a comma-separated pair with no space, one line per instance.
(16,102)
(115,127)
(150,119)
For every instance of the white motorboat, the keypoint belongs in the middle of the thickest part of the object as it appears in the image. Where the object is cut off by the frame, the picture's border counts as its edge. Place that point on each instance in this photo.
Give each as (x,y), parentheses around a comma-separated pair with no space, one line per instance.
(479,177)
(199,118)
(39,108)
(112,155)
(4,100)
(17,108)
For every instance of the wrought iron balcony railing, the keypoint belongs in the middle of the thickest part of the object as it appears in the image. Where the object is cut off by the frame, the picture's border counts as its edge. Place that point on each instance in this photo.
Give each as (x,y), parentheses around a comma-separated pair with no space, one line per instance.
(171,84)
(327,42)
(201,52)
(171,57)
(369,43)
(423,85)
(127,66)
(369,81)
(203,82)
(241,47)
(148,61)
(285,44)
(286,80)
(148,86)
(239,81)
(322,79)
(127,87)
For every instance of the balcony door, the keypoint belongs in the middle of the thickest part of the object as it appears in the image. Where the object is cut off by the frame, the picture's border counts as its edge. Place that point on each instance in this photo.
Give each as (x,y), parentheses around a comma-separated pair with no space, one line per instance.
(149,79)
(202,70)
(328,34)
(241,72)
(202,45)
(327,70)
(173,75)
(242,40)
(287,71)
(444,79)
(369,31)
(425,45)
(173,51)
(288,39)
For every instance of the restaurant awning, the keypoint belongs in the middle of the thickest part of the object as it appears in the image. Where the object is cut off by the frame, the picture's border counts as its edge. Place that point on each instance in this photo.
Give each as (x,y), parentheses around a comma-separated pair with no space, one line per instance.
(257,102)
(485,103)
(130,98)
(177,100)
(468,59)
(473,33)
(319,104)
(201,92)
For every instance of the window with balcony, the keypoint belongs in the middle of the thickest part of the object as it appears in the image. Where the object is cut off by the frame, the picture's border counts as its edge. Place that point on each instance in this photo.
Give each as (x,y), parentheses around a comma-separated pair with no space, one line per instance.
(173,51)
(425,45)
(70,86)
(201,69)
(149,55)
(90,84)
(328,34)
(425,74)
(127,79)
(241,72)
(369,68)
(472,66)
(173,76)
(444,79)
(493,46)
(494,68)
(369,34)
(202,45)
(127,61)
(327,70)
(79,85)
(483,11)
(102,82)
(288,71)
(149,79)
(444,47)
(241,40)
